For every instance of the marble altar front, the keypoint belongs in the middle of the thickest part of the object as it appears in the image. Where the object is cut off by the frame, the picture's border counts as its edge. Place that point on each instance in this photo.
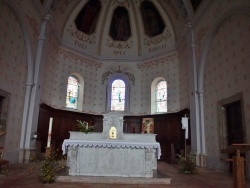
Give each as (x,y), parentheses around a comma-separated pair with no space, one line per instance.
(106,154)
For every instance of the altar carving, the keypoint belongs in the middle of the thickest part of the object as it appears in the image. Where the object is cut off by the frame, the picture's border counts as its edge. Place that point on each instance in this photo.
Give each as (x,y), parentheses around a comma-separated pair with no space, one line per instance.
(112,133)
(115,120)
(112,153)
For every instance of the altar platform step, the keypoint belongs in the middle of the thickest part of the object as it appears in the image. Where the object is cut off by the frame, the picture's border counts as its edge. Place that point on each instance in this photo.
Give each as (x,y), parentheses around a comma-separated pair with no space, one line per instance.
(158,179)
(25,175)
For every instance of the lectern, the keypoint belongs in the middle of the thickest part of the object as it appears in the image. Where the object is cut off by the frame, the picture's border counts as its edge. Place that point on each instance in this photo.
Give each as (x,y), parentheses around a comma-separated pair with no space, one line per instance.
(238,163)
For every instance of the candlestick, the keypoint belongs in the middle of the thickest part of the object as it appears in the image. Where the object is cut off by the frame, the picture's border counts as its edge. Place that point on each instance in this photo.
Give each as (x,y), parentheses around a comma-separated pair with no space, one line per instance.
(49,132)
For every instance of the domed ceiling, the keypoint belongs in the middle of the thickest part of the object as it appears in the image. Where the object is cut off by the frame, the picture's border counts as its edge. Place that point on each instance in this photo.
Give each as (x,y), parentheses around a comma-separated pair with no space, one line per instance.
(122,29)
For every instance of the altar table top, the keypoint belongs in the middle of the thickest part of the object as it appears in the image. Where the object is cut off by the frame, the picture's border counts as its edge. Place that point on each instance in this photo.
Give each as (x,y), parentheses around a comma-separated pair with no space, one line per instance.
(111,144)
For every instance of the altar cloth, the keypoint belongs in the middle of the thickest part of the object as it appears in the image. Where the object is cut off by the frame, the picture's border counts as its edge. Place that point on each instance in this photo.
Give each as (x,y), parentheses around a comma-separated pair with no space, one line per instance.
(111,144)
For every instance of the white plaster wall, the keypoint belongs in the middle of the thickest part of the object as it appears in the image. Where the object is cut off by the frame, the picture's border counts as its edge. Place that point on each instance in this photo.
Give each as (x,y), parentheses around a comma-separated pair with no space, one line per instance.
(94,98)
(183,74)
(215,13)
(100,43)
(61,68)
(227,71)
(166,67)
(13,75)
(48,77)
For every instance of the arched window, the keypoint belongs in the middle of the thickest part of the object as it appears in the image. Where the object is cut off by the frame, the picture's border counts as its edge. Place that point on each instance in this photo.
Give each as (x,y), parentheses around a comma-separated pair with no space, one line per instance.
(118,93)
(72,92)
(161,96)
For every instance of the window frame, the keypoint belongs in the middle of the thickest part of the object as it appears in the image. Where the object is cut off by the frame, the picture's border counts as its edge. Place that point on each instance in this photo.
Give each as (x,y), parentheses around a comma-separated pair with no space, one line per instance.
(153,95)
(80,92)
(111,79)
(157,101)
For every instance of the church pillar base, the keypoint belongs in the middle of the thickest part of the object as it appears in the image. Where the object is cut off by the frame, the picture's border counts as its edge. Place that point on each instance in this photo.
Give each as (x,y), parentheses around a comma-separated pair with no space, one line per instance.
(24,155)
(201,160)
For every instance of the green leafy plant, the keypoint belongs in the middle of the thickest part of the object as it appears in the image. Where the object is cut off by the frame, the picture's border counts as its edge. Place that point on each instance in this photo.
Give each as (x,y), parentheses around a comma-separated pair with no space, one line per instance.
(50,166)
(188,164)
(85,126)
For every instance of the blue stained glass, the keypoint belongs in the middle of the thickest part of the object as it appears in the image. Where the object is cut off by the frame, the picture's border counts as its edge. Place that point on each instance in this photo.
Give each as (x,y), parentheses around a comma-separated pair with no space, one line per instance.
(72,92)
(118,95)
(161,97)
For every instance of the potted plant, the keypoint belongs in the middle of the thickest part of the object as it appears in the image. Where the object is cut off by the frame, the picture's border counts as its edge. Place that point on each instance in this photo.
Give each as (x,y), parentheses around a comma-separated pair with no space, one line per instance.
(188,164)
(85,126)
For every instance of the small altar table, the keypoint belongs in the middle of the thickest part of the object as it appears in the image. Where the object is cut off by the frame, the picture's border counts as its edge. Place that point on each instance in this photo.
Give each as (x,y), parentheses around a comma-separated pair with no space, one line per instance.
(111,157)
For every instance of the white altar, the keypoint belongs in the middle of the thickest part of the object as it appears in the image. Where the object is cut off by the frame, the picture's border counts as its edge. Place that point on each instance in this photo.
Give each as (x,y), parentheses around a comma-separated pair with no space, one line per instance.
(111,153)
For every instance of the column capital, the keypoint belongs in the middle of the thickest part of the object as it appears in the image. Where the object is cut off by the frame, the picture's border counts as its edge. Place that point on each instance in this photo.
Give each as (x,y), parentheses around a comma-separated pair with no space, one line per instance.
(31,84)
(199,91)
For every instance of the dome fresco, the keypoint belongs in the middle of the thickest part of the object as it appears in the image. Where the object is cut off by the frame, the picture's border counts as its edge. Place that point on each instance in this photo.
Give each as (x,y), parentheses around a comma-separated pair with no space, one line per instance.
(153,23)
(120,25)
(152,20)
(87,18)
(124,29)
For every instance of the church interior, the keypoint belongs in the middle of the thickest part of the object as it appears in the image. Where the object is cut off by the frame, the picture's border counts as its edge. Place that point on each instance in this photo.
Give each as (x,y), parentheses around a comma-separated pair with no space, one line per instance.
(153,61)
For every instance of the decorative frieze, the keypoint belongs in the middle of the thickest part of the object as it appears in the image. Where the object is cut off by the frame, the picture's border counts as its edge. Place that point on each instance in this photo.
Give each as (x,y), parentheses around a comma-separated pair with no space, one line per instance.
(167,59)
(130,76)
(157,39)
(81,36)
(119,44)
(76,57)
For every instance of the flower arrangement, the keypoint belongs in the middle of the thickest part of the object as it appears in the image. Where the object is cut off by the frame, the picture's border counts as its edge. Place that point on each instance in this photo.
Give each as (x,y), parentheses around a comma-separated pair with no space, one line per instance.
(188,164)
(85,126)
(49,169)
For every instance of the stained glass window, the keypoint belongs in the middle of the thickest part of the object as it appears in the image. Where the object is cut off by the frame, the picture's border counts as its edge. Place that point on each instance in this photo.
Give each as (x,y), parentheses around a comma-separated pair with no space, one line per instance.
(161,97)
(118,95)
(72,92)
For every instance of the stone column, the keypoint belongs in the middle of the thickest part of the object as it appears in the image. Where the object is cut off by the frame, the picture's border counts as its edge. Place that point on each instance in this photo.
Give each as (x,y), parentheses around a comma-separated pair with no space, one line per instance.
(194,100)
(24,151)
(202,157)
(31,104)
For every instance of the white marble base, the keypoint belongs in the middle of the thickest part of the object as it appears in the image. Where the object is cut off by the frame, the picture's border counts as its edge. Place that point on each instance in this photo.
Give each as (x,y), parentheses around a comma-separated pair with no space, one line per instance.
(99,136)
(115,180)
(122,162)
(112,153)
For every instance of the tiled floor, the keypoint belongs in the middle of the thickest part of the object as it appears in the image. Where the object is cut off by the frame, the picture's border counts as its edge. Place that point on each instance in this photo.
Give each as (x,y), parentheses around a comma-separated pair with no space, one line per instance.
(26,175)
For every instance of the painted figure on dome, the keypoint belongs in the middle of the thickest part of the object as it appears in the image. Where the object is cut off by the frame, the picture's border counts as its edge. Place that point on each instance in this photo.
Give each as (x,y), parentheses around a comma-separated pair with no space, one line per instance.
(120,26)
(87,18)
(152,20)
